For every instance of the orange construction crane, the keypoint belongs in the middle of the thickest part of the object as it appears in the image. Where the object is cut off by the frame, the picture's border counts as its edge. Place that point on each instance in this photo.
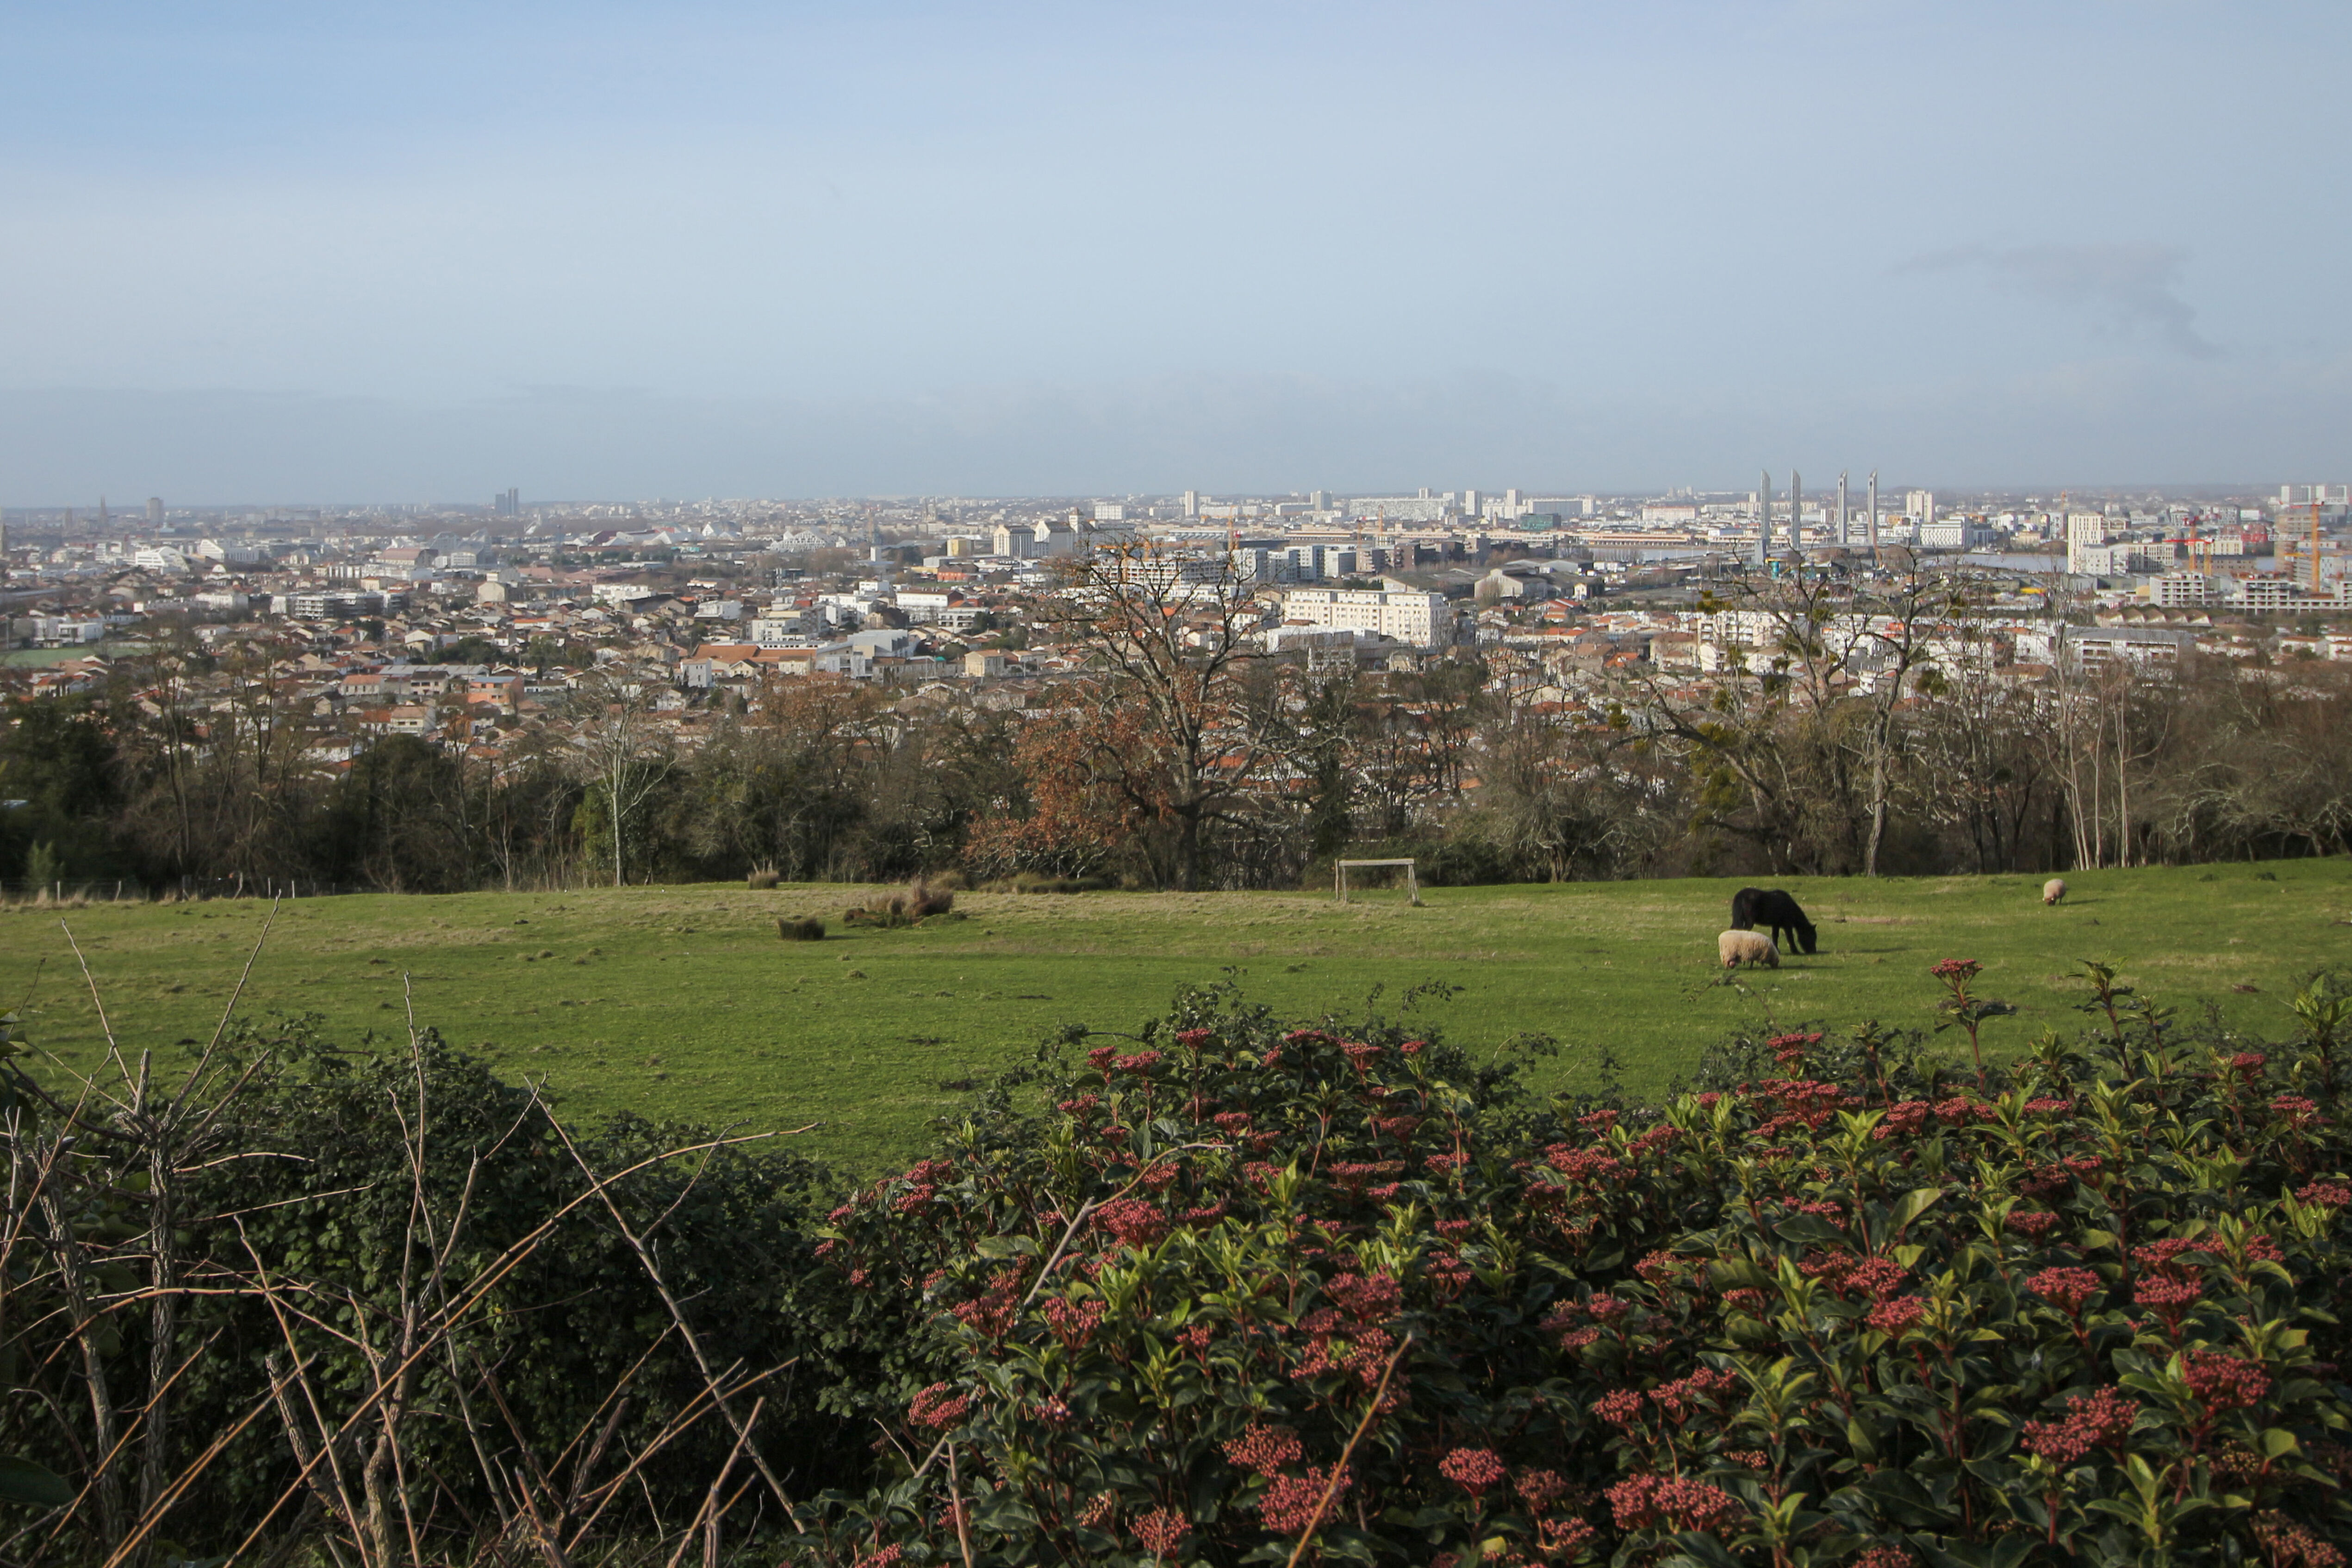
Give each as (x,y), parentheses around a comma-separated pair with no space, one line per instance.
(2314,546)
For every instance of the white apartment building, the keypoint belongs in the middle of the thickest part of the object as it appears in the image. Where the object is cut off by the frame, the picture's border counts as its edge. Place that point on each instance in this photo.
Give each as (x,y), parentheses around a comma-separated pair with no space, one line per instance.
(2086,531)
(777,630)
(1423,620)
(2091,648)
(2270,594)
(1951,533)
(2182,591)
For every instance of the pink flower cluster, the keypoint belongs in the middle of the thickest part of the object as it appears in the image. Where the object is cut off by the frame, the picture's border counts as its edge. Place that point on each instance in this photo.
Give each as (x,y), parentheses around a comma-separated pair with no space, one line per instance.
(2065,1289)
(1133,1221)
(1264,1450)
(1291,1505)
(1475,1470)
(2095,1420)
(2222,1383)
(939,1406)
(1163,1530)
(1676,1502)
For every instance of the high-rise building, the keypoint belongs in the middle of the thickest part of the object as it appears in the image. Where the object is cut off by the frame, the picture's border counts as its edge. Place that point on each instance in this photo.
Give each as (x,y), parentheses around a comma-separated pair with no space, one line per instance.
(1873,539)
(1841,539)
(1511,503)
(1319,501)
(2086,533)
(1795,510)
(1763,517)
(1191,503)
(1919,505)
(155,512)
(1470,503)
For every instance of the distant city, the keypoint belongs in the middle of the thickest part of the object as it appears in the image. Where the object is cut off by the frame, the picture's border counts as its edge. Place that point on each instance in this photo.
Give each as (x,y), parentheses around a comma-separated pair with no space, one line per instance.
(390,615)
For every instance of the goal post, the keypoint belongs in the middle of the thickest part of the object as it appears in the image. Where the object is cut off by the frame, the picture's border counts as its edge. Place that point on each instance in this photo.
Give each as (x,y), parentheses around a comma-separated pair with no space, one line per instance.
(1340,869)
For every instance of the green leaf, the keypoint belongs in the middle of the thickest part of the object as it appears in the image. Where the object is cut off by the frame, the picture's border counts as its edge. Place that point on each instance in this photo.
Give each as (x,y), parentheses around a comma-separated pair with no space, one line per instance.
(1007,1247)
(1808,1230)
(1913,1203)
(21,1480)
(2277,1442)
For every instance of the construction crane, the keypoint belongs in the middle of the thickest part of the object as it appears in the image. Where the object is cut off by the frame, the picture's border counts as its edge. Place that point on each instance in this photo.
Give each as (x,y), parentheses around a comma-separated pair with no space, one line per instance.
(2314,546)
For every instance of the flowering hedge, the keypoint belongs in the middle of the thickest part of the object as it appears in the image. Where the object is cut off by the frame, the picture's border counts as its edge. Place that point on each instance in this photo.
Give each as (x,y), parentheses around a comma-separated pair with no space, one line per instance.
(1237,1294)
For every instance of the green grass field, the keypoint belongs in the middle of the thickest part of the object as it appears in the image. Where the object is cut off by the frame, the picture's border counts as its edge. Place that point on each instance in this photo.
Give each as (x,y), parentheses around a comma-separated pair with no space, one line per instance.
(682,1001)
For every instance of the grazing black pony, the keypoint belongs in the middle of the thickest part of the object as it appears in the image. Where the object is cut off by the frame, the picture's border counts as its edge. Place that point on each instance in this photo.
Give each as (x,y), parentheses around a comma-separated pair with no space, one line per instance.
(1776,910)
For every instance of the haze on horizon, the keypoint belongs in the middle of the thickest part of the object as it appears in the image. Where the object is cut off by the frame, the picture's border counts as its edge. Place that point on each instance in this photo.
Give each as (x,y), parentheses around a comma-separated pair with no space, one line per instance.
(267,251)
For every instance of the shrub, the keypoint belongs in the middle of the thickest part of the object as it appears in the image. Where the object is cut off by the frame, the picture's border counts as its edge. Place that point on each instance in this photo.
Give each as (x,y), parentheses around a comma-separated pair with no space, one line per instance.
(1235,1291)
(801,929)
(918,903)
(332,1207)
(1036,884)
(762,878)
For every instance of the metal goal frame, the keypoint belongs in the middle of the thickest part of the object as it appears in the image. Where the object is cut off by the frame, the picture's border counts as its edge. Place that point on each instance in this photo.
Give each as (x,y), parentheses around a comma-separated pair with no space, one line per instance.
(1339,878)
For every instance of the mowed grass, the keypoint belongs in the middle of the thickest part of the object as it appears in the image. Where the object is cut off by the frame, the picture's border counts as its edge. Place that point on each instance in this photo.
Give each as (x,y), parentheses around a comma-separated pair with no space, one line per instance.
(682,1001)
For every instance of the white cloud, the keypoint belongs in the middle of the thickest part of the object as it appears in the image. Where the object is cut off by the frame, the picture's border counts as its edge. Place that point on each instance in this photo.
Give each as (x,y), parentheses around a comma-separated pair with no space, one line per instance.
(2136,285)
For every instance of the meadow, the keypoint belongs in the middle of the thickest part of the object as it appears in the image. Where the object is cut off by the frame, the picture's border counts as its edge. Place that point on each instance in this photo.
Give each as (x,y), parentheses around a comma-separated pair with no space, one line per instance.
(681,1001)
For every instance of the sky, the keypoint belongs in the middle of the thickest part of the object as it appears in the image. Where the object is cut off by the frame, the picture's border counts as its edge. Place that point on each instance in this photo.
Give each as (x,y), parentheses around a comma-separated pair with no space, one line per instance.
(340,252)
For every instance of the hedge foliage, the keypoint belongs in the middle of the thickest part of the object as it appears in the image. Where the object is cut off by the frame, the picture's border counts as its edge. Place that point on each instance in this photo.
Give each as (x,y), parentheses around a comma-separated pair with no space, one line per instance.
(1236,1293)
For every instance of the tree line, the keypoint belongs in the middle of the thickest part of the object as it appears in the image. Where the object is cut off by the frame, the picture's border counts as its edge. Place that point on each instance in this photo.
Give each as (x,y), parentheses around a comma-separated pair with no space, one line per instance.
(1852,738)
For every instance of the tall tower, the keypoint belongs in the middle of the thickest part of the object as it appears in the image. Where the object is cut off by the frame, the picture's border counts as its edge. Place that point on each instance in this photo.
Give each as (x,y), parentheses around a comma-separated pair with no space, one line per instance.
(1841,515)
(1764,517)
(1796,511)
(155,512)
(1874,514)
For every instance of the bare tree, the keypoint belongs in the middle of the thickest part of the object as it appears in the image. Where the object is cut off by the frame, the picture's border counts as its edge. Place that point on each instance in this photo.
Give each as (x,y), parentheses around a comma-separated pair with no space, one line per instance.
(1173,634)
(628,753)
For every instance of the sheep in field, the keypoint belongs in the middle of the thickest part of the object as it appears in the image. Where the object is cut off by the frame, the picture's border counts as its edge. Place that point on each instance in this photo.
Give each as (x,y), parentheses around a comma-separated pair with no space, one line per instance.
(1737,947)
(2053,890)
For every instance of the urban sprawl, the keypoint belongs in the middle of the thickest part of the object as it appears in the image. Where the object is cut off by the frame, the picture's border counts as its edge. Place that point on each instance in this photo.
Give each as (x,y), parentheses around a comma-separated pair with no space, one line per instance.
(474,626)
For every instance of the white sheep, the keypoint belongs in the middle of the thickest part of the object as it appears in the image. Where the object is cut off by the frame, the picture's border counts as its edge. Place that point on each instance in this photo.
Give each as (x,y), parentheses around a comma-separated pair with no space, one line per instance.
(1736,947)
(2053,890)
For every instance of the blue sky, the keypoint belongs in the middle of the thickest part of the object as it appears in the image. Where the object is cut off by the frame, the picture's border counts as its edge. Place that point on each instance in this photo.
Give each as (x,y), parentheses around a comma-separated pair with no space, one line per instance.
(415,251)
